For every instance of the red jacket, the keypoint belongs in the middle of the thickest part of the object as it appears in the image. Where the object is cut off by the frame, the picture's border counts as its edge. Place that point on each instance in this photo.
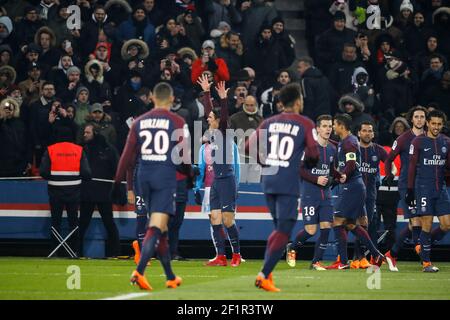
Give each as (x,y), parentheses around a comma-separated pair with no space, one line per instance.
(221,74)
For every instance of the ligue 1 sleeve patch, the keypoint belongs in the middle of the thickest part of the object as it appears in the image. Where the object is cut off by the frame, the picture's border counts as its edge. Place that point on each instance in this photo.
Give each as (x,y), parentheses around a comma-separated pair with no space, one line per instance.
(411,149)
(351,156)
(394,145)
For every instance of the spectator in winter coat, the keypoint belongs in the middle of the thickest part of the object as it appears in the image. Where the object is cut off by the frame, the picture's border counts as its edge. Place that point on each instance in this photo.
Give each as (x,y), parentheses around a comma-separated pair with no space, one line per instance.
(315,89)
(137,27)
(222,10)
(362,87)
(15,158)
(46,40)
(284,39)
(353,106)
(341,72)
(99,89)
(28,26)
(266,49)
(68,90)
(255,14)
(31,88)
(231,50)
(103,160)
(438,94)
(330,44)
(82,105)
(193,27)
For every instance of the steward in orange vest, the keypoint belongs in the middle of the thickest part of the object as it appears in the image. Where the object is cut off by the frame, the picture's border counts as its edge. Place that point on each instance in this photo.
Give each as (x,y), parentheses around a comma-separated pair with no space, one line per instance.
(64,165)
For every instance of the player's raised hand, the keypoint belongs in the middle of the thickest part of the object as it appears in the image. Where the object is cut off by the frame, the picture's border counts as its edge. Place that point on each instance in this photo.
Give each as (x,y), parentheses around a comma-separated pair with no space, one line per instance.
(322,181)
(221,91)
(204,82)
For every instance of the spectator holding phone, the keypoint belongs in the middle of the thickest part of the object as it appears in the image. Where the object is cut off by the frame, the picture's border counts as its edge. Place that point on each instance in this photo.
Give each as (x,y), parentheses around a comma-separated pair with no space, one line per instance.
(31,87)
(209,62)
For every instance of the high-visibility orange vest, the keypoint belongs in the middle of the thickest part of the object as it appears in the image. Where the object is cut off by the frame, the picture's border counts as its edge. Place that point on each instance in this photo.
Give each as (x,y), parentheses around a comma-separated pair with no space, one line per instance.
(65,158)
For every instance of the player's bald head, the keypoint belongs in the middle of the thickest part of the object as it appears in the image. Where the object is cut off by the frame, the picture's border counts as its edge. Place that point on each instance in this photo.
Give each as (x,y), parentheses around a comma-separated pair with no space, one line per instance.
(163,94)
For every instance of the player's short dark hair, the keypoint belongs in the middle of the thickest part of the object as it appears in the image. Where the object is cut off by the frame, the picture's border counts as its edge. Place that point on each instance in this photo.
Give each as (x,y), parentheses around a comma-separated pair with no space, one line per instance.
(163,91)
(437,114)
(289,94)
(216,113)
(411,111)
(349,45)
(306,60)
(366,123)
(437,56)
(344,119)
(323,117)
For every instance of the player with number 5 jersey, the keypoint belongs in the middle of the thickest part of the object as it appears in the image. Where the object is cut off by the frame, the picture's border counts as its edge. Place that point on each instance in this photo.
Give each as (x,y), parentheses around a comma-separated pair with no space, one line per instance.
(281,141)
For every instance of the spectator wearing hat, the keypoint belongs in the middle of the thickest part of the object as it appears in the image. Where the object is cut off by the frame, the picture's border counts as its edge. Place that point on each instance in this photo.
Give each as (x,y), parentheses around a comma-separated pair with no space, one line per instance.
(284,39)
(46,40)
(134,52)
(344,6)
(255,14)
(266,49)
(82,105)
(404,19)
(137,27)
(5,55)
(7,37)
(15,157)
(111,68)
(99,89)
(58,24)
(231,50)
(28,26)
(362,86)
(155,15)
(210,62)
(222,10)
(103,123)
(330,44)
(222,29)
(31,88)
(69,88)
(31,53)
(193,26)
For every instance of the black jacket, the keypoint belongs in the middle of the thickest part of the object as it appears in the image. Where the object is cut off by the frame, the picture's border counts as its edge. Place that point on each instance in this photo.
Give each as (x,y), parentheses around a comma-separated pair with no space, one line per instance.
(103,159)
(316,93)
(15,148)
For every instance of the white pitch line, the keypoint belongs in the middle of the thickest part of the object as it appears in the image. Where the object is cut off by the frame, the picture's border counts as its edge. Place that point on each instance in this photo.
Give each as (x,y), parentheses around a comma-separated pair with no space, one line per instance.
(128,296)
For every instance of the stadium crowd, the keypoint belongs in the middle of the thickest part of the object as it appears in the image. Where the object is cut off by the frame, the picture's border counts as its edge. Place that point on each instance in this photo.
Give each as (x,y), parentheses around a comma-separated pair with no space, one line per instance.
(371,59)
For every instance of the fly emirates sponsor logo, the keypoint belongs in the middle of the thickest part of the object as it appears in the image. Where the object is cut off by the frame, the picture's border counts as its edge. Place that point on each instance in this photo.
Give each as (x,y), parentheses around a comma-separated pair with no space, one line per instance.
(436,161)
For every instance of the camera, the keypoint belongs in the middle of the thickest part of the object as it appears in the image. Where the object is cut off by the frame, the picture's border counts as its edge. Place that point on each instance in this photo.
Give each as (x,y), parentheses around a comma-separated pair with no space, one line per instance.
(168,64)
(242,95)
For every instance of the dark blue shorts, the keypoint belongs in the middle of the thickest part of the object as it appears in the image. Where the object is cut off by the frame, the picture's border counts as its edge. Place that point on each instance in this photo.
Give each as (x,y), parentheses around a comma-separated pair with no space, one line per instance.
(408,212)
(351,202)
(223,194)
(315,211)
(432,203)
(139,203)
(160,200)
(282,206)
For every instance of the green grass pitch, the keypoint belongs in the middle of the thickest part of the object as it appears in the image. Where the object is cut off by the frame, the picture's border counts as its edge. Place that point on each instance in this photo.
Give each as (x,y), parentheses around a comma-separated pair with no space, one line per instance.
(48,279)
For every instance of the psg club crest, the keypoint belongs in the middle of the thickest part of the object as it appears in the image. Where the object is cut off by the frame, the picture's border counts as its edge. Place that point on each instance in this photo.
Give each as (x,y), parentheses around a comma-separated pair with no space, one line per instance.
(374,158)
(331,159)
(444,149)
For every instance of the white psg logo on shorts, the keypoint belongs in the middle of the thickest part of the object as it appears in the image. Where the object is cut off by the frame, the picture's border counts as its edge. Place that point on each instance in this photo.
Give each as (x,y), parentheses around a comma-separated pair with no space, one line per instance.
(331,159)
(444,149)
(424,209)
(374,158)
